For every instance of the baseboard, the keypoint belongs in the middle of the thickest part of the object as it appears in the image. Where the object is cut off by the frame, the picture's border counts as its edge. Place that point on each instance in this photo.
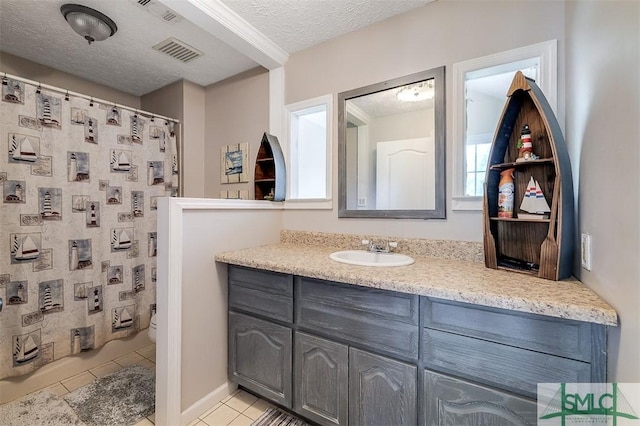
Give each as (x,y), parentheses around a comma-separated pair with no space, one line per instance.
(16,387)
(207,402)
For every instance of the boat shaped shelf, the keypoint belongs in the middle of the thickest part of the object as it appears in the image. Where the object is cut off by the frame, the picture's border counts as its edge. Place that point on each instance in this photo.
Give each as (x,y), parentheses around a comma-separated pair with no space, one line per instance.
(270,174)
(539,243)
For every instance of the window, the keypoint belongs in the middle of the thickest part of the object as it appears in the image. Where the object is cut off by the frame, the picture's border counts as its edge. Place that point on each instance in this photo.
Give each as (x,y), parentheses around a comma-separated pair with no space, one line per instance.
(480,90)
(309,150)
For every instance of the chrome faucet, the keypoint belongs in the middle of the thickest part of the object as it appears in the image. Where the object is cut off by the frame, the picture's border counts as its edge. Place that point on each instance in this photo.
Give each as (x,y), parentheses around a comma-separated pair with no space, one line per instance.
(380,247)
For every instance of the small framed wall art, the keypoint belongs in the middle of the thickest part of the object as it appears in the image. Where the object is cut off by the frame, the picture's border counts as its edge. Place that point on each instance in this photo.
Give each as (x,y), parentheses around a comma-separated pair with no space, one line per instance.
(234,163)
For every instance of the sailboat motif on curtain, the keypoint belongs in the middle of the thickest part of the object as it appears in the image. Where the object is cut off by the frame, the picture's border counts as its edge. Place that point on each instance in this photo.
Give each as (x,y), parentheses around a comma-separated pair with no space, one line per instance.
(26,348)
(121,239)
(80,183)
(120,160)
(123,317)
(23,148)
(25,247)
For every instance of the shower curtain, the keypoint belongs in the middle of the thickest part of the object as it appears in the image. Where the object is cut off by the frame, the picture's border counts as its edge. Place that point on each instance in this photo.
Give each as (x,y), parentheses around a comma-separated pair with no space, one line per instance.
(80,181)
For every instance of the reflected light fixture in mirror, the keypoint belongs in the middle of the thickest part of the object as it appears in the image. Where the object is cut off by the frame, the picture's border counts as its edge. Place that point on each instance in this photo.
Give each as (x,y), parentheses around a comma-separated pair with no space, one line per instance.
(416,92)
(391,139)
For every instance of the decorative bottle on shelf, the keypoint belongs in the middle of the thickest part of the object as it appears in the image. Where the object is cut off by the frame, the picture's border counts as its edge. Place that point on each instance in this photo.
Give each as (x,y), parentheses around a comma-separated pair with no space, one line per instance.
(506,193)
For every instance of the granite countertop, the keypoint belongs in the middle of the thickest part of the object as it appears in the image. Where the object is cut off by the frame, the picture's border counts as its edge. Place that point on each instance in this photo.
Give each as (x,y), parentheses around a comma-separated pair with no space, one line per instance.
(450,279)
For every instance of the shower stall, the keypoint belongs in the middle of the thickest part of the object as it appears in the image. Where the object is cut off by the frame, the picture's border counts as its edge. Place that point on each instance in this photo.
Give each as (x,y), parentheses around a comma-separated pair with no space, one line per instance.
(80,181)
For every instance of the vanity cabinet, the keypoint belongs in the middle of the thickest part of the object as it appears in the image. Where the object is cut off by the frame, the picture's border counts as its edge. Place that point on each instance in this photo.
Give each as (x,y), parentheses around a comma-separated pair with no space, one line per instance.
(260,357)
(341,354)
(321,379)
(260,338)
(451,401)
(382,391)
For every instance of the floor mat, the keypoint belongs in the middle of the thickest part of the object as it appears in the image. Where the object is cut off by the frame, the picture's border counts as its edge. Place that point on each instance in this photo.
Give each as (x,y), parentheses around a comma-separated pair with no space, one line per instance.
(121,398)
(43,408)
(276,417)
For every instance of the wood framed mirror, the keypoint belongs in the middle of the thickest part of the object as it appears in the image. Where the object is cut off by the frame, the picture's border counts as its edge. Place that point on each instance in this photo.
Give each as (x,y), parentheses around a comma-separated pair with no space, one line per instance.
(391,142)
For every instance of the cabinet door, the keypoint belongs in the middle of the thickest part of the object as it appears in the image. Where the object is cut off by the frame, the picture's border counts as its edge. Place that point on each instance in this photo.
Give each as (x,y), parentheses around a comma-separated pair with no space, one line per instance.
(382,391)
(450,401)
(321,381)
(260,357)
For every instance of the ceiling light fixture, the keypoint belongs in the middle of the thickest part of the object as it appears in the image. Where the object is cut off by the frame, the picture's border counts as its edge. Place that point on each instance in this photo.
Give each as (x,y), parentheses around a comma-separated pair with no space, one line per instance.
(89,23)
(416,92)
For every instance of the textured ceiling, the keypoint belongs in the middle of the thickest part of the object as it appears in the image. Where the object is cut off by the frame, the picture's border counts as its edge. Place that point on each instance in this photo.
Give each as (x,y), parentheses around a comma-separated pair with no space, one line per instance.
(35,30)
(295,25)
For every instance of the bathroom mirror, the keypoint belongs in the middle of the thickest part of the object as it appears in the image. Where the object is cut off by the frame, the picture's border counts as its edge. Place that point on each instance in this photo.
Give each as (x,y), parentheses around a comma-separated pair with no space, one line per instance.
(391,141)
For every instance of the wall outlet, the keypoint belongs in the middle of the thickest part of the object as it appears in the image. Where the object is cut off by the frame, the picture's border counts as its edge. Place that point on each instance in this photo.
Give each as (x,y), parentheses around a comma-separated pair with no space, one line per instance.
(362,201)
(586,251)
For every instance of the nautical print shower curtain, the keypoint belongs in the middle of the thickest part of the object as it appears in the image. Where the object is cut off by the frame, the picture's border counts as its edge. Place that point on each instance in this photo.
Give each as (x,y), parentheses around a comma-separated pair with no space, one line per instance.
(80,182)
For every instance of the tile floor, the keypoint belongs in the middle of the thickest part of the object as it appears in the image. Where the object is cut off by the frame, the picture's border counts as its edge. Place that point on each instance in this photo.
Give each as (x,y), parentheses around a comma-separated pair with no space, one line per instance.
(238,409)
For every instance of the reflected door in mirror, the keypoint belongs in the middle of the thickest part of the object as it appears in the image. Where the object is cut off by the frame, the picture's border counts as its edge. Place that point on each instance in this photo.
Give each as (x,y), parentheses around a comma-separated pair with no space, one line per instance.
(405,175)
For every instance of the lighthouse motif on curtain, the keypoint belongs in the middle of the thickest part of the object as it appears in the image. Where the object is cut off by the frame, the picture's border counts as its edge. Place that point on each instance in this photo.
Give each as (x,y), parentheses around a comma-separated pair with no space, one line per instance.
(48,110)
(137,203)
(91,130)
(93,214)
(155,173)
(78,167)
(50,200)
(51,296)
(80,254)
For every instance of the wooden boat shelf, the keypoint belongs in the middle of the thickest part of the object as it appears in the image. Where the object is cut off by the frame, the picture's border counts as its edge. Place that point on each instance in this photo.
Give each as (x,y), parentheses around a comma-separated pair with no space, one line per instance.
(518,219)
(269,175)
(543,247)
(522,164)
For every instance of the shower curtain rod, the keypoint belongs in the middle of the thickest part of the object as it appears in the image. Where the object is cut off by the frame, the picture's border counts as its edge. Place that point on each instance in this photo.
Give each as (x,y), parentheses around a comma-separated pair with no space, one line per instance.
(90,98)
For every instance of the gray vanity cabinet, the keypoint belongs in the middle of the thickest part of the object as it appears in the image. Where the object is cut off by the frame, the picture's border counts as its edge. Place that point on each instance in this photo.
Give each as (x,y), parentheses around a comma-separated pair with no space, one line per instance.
(451,401)
(382,391)
(321,379)
(268,373)
(260,335)
(340,354)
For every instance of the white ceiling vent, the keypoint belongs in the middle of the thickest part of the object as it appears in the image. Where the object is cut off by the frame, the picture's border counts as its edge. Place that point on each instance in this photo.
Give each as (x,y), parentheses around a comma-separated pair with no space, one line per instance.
(159,10)
(178,49)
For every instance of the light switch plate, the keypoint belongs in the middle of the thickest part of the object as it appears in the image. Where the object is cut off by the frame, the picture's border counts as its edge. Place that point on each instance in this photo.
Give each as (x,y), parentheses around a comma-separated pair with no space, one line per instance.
(586,251)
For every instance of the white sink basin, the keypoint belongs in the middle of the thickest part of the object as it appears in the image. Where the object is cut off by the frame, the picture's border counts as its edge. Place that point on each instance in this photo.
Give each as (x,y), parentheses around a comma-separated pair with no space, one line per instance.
(368,258)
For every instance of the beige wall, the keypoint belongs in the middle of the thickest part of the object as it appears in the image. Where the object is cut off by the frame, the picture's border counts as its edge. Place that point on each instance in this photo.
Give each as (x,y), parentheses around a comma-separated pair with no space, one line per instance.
(603,106)
(237,111)
(184,101)
(440,33)
(24,68)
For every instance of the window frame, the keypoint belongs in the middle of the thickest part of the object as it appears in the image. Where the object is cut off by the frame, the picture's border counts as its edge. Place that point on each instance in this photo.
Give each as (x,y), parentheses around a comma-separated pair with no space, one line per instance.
(547,54)
(291,111)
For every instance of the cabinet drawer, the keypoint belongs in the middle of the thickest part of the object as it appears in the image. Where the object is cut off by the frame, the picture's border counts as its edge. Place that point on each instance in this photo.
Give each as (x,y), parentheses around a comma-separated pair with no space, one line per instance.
(384,320)
(261,292)
(566,338)
(514,369)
